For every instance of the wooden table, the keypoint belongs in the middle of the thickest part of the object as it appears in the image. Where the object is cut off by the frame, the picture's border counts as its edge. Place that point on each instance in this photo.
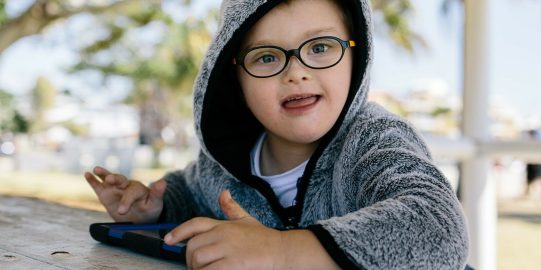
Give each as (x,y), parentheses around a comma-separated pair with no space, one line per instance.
(40,235)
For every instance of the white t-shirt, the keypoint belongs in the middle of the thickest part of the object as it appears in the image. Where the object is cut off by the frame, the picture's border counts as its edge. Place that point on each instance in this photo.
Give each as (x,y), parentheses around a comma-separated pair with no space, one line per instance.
(284,185)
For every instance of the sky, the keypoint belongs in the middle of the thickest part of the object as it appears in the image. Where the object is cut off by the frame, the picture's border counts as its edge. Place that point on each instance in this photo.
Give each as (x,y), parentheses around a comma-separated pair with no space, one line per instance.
(515,54)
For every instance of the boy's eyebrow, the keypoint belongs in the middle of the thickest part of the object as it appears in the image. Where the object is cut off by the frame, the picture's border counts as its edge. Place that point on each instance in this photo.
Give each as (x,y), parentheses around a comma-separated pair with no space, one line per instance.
(316,32)
(307,35)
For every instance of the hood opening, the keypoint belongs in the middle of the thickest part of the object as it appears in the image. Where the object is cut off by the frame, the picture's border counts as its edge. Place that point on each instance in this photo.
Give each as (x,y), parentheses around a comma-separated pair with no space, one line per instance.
(229,130)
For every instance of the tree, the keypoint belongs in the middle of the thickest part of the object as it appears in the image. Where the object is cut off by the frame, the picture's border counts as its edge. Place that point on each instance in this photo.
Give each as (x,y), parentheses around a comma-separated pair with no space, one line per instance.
(43,99)
(11,121)
(162,76)
(395,14)
(43,13)
(162,79)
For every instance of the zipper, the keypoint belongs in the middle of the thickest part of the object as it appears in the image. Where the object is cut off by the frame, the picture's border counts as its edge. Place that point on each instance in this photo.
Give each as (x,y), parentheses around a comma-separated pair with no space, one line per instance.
(286,215)
(289,216)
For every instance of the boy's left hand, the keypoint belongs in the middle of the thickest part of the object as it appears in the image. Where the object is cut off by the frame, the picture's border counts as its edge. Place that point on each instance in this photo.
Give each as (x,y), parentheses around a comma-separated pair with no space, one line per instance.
(241,242)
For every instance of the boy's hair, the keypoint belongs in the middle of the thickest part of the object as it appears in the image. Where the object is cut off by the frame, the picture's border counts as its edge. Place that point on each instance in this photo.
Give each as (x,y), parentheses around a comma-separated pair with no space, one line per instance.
(347,16)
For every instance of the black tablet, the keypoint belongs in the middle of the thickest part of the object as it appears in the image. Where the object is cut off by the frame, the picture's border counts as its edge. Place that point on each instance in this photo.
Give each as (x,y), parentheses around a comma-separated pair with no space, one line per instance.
(142,238)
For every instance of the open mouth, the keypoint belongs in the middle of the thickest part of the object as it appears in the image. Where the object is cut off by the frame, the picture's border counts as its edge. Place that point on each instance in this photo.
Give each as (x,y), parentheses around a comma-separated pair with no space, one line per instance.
(300,101)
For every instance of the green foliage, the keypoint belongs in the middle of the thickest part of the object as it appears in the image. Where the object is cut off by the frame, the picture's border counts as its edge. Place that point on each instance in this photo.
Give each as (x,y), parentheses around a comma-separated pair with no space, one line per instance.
(396,15)
(161,69)
(174,60)
(6,110)
(11,121)
(172,66)
(3,15)
(19,123)
(116,33)
(118,24)
(440,111)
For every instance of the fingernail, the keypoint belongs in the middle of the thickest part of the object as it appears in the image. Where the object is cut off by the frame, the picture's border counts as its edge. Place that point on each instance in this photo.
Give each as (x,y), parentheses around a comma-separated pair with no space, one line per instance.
(228,194)
(167,238)
(122,209)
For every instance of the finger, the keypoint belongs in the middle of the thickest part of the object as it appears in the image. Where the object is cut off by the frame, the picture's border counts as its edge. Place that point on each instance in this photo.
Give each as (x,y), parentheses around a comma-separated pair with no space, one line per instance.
(201,240)
(117,180)
(96,184)
(135,191)
(230,207)
(190,229)
(196,243)
(203,256)
(223,263)
(101,172)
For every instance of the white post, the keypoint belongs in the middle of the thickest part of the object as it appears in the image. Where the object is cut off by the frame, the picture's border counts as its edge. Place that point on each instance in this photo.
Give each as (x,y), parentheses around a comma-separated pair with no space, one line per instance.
(478,194)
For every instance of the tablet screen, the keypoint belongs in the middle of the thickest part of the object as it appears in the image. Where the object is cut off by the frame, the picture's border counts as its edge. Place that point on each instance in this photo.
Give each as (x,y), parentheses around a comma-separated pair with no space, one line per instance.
(149,230)
(144,238)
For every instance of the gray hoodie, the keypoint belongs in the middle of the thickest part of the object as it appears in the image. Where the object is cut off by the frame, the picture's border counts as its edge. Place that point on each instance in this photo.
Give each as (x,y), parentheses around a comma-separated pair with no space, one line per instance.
(370,192)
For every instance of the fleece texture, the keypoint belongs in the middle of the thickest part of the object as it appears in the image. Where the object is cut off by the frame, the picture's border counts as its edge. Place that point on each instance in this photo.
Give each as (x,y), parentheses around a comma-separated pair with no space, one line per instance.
(370,192)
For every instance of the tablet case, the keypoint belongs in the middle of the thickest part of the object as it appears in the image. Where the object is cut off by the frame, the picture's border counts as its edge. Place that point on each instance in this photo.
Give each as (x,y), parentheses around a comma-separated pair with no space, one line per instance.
(132,236)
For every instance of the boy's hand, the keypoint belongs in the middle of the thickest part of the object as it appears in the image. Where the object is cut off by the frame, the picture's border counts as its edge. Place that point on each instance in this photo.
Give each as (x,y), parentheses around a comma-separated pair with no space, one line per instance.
(127,200)
(242,242)
(239,243)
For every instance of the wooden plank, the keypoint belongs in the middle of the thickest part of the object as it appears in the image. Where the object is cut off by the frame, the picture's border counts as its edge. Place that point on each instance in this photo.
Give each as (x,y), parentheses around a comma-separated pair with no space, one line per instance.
(35,234)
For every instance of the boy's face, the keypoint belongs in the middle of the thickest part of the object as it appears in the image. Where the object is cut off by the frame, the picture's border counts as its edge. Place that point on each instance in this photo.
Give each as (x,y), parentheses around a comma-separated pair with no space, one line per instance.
(300,104)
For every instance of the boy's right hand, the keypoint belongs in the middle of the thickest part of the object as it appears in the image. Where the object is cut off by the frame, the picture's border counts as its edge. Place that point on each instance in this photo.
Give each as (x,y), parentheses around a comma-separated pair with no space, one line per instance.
(127,200)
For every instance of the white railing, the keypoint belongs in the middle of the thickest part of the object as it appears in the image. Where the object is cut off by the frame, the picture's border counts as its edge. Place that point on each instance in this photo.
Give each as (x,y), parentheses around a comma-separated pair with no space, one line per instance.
(463,149)
(478,192)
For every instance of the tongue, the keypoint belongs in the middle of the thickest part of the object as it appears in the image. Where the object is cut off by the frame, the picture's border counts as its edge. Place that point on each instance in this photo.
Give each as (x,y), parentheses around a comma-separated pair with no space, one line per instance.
(297,103)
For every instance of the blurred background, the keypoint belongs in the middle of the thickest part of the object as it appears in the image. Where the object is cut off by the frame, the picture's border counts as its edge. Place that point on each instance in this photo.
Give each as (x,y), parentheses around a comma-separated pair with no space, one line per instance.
(105,82)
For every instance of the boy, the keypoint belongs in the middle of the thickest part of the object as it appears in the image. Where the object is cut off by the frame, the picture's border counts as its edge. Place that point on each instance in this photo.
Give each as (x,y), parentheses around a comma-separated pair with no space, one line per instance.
(320,178)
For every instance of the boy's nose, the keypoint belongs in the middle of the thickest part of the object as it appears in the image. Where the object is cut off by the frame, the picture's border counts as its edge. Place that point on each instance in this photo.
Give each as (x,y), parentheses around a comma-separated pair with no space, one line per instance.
(296,71)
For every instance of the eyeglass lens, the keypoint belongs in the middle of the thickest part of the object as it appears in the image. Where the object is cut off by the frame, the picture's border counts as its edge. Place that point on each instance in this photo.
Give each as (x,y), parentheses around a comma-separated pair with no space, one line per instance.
(317,53)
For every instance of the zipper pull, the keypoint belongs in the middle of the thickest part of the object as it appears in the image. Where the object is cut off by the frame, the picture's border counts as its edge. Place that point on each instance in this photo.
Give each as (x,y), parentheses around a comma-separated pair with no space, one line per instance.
(292,223)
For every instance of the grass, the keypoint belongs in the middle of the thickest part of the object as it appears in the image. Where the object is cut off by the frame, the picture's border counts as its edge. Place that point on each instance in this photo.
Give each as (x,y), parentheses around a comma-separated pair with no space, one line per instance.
(518,232)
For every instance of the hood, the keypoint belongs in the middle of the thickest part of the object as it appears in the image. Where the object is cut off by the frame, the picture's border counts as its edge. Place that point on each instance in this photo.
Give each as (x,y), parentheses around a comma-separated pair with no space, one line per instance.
(225,127)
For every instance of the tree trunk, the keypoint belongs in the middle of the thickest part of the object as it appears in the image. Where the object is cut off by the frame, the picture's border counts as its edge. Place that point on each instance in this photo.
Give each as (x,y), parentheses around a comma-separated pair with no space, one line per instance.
(44,12)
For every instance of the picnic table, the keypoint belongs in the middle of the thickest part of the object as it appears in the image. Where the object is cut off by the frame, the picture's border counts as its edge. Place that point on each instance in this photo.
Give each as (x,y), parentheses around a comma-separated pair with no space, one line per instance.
(36,234)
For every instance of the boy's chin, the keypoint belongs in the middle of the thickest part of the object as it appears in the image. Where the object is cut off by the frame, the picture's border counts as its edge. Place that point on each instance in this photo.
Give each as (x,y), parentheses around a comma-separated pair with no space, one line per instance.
(305,137)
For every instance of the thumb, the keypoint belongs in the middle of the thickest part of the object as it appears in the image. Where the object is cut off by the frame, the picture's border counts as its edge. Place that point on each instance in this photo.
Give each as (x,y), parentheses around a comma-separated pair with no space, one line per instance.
(230,207)
(157,189)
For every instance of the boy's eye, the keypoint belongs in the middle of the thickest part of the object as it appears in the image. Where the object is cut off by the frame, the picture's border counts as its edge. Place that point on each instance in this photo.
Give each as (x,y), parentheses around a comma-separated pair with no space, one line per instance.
(265,59)
(263,56)
(319,48)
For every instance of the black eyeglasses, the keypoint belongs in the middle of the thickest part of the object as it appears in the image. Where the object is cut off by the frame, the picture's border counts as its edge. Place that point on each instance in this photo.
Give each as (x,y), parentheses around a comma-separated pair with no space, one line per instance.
(317,53)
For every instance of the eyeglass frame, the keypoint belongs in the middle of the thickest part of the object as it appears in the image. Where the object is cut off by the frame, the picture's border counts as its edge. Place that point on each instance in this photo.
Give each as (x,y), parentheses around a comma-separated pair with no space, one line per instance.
(239,60)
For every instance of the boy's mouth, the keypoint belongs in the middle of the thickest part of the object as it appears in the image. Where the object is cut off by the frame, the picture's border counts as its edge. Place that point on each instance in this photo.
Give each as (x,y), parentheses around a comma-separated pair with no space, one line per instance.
(300,101)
